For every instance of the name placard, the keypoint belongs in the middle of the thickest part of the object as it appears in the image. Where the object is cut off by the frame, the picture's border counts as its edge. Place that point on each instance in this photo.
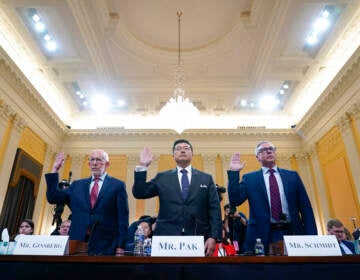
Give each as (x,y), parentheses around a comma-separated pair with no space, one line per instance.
(177,246)
(53,245)
(311,245)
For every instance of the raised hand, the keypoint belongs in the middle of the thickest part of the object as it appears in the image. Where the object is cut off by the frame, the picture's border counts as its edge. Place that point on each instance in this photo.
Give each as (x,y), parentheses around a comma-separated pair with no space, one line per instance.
(236,164)
(58,162)
(146,157)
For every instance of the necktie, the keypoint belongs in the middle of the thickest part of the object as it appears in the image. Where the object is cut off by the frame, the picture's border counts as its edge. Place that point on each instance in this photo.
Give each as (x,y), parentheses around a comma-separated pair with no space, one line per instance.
(275,200)
(185,185)
(94,192)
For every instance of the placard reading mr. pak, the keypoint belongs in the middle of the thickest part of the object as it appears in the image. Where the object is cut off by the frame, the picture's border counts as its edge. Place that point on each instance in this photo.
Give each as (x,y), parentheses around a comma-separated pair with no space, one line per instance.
(177,246)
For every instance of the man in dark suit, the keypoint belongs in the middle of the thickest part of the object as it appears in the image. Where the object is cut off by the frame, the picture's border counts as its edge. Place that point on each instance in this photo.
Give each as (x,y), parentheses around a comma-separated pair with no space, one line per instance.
(99,205)
(278,206)
(189,207)
(336,227)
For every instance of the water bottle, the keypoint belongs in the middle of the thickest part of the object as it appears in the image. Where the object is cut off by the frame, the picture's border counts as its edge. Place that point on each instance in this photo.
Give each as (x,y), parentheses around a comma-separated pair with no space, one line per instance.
(147,247)
(259,248)
(357,246)
(5,242)
(139,241)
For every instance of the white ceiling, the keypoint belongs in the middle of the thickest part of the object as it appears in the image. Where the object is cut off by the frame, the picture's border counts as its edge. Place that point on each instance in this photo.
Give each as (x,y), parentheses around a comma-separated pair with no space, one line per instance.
(231,50)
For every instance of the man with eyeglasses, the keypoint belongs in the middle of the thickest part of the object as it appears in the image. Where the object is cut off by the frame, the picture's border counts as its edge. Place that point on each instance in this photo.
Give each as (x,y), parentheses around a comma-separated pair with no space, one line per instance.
(189,203)
(336,227)
(99,205)
(278,202)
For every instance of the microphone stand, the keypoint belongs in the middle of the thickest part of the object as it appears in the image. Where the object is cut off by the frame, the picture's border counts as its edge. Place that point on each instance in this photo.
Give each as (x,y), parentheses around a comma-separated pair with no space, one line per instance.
(59,207)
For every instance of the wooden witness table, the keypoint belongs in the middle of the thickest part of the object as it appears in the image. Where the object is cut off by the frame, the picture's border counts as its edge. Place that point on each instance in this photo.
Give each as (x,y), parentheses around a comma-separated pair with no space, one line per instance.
(130,267)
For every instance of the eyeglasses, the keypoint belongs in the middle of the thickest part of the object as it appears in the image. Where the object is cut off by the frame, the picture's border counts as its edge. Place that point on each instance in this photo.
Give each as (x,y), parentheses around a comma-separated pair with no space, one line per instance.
(267,149)
(180,148)
(96,159)
(338,231)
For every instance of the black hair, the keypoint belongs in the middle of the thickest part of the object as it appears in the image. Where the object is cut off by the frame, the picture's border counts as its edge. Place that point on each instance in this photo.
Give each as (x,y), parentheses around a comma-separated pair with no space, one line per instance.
(181,141)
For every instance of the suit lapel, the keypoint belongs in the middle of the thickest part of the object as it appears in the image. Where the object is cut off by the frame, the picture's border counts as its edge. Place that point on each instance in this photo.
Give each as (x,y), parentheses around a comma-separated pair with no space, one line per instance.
(262,185)
(86,192)
(174,181)
(195,181)
(284,183)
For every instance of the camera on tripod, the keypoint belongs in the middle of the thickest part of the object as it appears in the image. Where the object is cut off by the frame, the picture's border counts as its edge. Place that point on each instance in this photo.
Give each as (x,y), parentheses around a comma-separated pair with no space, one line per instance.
(64,184)
(220,190)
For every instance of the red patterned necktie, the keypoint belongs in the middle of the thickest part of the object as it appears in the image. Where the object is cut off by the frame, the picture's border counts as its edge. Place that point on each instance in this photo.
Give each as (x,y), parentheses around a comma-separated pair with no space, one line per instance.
(275,200)
(185,185)
(94,192)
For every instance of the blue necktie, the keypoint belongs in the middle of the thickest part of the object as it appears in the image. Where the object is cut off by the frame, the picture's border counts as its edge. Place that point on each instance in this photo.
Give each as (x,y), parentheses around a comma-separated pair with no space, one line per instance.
(185,185)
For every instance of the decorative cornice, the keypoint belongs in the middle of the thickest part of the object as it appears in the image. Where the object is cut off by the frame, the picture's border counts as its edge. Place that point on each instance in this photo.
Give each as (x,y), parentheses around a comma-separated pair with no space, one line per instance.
(332,94)
(260,133)
(354,111)
(6,112)
(19,124)
(344,123)
(29,95)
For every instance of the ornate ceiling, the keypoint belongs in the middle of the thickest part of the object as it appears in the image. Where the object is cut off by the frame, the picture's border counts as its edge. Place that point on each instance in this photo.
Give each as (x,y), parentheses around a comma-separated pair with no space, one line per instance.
(232,50)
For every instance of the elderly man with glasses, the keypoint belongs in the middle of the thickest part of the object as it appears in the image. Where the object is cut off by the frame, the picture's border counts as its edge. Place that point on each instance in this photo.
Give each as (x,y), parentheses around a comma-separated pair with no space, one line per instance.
(278,202)
(99,205)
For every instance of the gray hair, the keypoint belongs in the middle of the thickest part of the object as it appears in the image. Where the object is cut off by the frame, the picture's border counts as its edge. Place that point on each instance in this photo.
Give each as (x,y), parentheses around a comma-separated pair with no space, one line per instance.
(260,143)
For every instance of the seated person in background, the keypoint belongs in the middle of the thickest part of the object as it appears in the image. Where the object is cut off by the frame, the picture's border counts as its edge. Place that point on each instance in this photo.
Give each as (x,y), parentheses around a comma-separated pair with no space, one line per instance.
(146,226)
(65,227)
(129,246)
(335,227)
(26,227)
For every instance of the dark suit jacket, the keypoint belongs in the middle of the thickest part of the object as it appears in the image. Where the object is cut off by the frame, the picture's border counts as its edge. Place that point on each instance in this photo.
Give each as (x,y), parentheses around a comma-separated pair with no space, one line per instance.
(252,188)
(348,244)
(199,214)
(107,222)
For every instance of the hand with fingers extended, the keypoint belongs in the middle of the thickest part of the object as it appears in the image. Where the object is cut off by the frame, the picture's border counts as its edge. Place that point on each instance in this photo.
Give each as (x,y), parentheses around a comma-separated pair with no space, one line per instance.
(236,164)
(146,157)
(58,162)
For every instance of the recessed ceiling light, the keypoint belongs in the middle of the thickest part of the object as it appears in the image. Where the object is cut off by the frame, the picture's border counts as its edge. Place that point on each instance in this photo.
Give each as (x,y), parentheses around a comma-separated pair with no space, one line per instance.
(39,26)
(35,17)
(51,45)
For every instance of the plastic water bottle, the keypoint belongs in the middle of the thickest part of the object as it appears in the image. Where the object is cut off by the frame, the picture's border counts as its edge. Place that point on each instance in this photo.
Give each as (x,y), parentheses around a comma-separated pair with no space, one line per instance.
(139,241)
(259,248)
(147,247)
(357,246)
(5,242)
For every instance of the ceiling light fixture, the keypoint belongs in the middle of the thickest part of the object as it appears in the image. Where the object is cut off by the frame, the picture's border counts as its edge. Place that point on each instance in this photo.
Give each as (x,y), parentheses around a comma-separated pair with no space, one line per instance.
(179,111)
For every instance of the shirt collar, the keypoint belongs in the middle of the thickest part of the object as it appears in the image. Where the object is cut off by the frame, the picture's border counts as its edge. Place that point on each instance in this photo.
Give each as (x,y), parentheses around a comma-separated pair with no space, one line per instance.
(101,178)
(265,170)
(188,168)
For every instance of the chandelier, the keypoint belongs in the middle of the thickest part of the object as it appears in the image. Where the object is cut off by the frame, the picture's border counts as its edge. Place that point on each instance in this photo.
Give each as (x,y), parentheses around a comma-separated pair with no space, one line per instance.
(179,110)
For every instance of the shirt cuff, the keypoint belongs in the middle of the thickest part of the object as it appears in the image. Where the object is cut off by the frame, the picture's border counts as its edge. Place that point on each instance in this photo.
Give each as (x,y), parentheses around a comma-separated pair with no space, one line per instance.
(140,168)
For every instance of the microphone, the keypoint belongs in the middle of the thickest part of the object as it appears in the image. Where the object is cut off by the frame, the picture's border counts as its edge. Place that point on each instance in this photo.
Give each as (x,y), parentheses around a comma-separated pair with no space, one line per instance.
(70,175)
